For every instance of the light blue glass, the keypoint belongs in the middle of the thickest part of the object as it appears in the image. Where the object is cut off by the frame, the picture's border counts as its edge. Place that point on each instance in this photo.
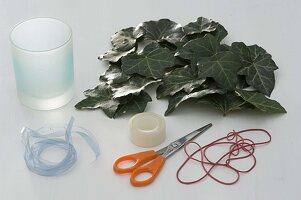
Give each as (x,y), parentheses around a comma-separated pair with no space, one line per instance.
(43,62)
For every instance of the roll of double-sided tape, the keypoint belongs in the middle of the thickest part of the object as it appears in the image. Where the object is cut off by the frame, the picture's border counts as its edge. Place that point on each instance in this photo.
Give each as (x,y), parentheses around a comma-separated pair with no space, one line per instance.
(147,129)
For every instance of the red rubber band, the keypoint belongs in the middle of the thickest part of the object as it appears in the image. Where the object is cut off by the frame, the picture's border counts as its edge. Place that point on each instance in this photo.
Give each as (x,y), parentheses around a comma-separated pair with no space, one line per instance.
(237,144)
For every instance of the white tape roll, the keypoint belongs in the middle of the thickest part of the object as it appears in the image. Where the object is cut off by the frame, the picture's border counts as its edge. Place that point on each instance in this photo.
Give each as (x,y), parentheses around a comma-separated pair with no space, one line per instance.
(147,129)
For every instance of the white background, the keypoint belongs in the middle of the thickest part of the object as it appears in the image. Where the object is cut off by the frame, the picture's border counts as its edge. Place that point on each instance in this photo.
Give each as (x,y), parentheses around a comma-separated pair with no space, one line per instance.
(274,25)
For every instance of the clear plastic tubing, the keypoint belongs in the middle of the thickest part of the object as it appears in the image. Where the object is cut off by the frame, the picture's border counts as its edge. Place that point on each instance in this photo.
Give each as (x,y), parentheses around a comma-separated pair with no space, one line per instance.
(35,143)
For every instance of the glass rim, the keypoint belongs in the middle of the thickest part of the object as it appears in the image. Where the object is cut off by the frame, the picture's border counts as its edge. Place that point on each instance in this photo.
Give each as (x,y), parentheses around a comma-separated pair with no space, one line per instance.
(35,18)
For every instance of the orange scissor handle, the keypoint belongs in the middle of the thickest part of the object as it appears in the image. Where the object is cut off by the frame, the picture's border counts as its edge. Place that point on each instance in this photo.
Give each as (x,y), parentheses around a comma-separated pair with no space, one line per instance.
(152,167)
(139,159)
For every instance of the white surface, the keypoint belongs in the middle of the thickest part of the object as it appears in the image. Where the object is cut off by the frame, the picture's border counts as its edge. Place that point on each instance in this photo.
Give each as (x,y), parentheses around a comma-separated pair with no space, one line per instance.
(274,25)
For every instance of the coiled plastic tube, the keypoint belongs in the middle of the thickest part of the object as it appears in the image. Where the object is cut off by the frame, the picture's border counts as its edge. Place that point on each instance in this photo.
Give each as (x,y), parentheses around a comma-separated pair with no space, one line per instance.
(35,143)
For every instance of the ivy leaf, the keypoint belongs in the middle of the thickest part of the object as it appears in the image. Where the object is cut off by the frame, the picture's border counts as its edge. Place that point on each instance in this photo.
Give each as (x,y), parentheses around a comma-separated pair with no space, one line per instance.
(134,104)
(188,62)
(242,50)
(114,55)
(114,75)
(225,47)
(124,43)
(168,45)
(257,51)
(258,67)
(201,47)
(125,39)
(180,62)
(222,67)
(178,79)
(99,97)
(224,102)
(161,30)
(132,86)
(261,102)
(201,25)
(182,96)
(242,83)
(220,32)
(150,63)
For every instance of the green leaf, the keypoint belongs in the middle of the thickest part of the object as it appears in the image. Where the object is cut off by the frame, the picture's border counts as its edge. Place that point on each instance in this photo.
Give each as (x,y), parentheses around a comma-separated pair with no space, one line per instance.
(124,43)
(242,83)
(150,63)
(168,45)
(180,62)
(182,96)
(125,39)
(225,47)
(114,75)
(201,47)
(179,79)
(261,102)
(201,25)
(114,55)
(258,67)
(220,33)
(132,86)
(162,30)
(188,63)
(133,104)
(222,67)
(224,102)
(99,97)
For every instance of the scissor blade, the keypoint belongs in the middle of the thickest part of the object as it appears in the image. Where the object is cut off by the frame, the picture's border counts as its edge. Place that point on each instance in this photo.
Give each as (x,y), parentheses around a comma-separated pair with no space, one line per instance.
(194,134)
(179,143)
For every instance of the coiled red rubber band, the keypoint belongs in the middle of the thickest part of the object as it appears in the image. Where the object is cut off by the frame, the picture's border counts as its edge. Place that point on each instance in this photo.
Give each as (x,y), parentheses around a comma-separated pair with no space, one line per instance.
(239,148)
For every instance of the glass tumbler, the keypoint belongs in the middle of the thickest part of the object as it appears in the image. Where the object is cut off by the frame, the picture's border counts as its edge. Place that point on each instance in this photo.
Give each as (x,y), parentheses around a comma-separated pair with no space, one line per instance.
(43,63)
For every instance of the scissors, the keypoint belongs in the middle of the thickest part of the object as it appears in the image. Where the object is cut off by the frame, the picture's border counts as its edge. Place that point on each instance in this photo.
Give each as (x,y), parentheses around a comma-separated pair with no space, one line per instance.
(152,161)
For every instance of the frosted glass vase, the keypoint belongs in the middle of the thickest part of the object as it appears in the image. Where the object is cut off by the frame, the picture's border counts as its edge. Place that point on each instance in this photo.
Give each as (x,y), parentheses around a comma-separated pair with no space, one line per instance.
(43,63)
